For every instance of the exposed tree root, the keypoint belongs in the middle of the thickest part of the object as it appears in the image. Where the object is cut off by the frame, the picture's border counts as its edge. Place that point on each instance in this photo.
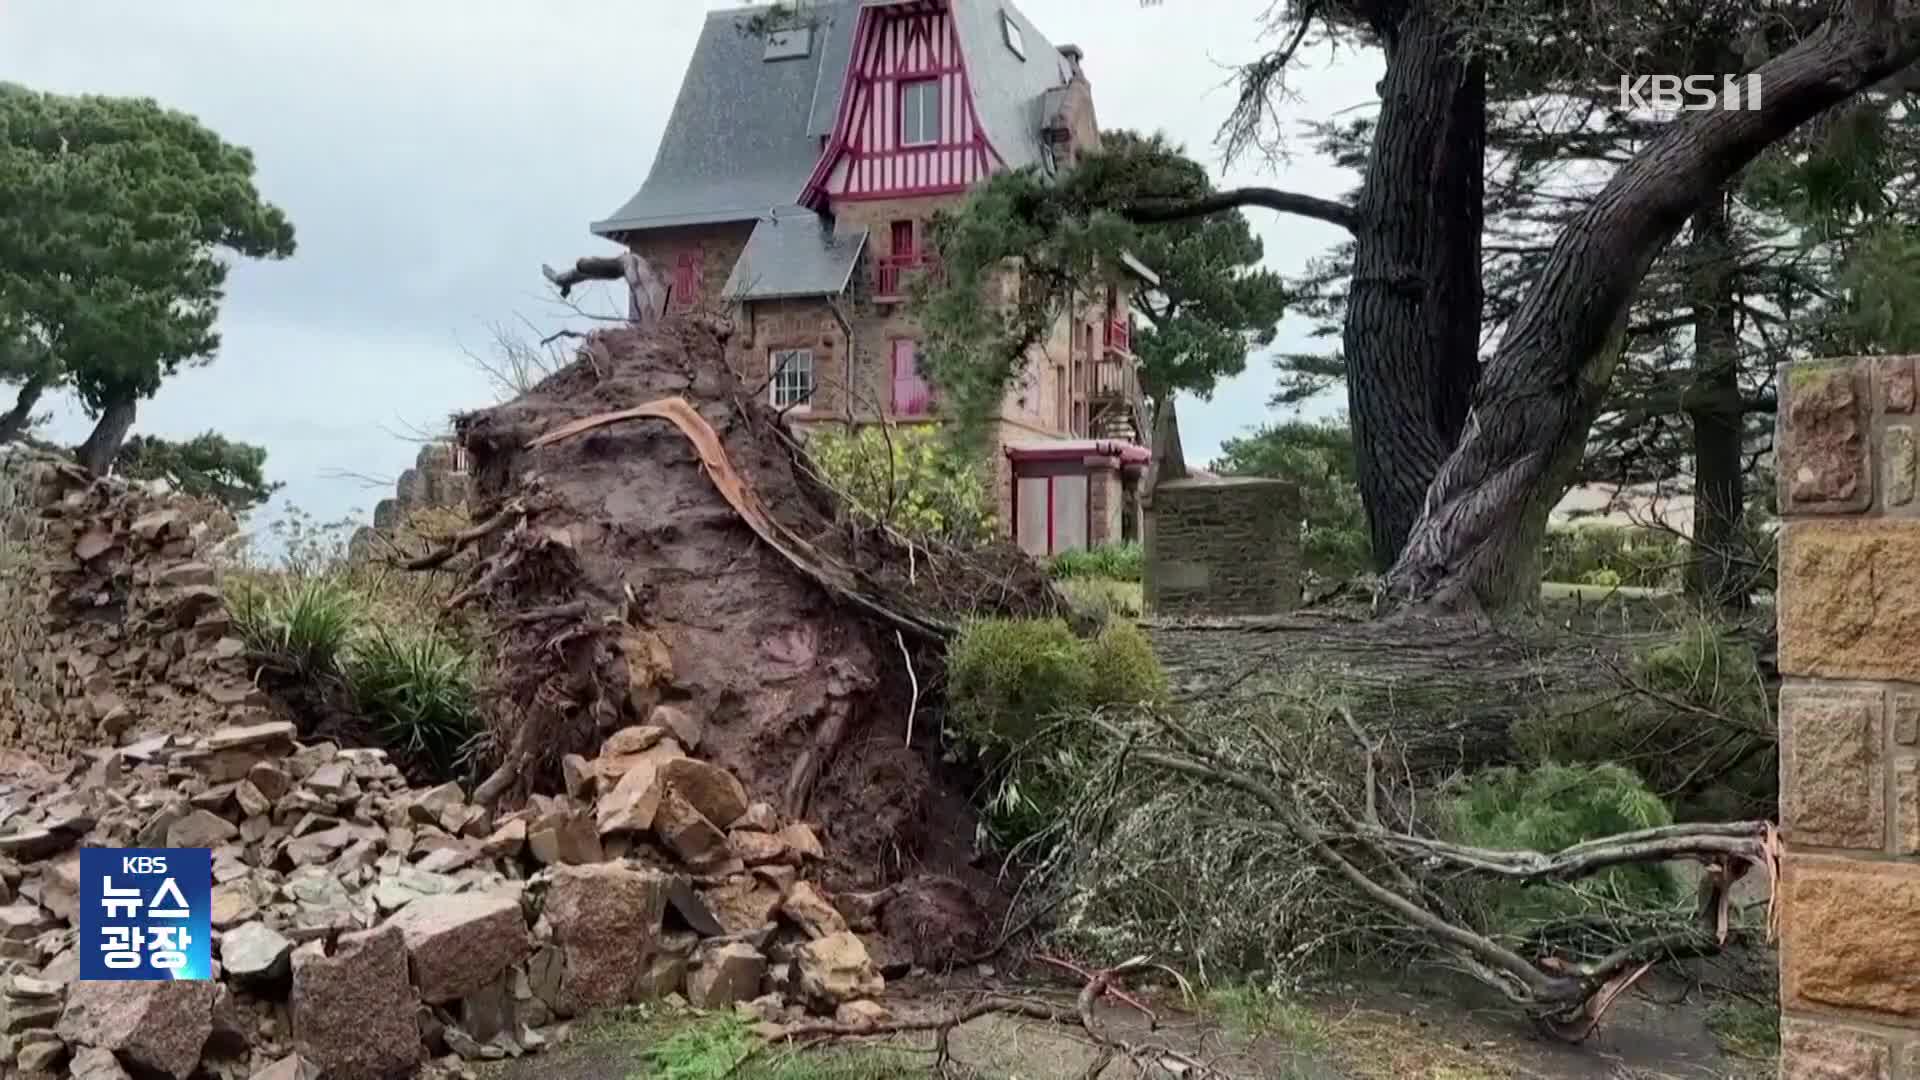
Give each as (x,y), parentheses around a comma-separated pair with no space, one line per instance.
(509,514)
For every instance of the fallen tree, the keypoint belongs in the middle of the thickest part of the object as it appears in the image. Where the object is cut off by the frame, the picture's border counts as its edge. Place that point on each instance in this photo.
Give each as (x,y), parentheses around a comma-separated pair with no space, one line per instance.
(650,536)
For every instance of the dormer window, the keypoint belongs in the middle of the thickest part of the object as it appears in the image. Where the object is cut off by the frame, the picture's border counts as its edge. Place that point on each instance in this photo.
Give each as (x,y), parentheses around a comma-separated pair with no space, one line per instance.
(1010,31)
(920,112)
(791,44)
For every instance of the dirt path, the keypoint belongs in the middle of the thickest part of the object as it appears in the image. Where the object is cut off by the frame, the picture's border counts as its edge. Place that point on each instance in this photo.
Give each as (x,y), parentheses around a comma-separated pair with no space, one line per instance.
(1441,1030)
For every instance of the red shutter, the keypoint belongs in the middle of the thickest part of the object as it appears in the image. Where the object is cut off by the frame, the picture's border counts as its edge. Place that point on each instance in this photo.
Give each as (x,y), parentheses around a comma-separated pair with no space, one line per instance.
(911,396)
(903,241)
(686,279)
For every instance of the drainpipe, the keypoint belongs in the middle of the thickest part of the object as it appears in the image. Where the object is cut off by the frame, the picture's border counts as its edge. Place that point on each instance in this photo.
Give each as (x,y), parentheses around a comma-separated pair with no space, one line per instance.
(846,388)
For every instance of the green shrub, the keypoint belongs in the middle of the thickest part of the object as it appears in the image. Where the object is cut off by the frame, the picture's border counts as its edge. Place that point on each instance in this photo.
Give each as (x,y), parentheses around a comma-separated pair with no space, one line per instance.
(908,479)
(1611,555)
(1007,677)
(1012,684)
(417,690)
(1103,598)
(1117,562)
(1125,671)
(1549,807)
(299,624)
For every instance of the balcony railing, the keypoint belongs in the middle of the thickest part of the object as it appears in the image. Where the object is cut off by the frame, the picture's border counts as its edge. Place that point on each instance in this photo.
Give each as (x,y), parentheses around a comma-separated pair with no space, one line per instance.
(1119,335)
(893,274)
(1114,378)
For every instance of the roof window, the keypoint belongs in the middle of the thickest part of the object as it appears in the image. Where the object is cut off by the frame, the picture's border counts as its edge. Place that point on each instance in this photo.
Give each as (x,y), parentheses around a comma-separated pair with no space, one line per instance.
(1010,30)
(791,44)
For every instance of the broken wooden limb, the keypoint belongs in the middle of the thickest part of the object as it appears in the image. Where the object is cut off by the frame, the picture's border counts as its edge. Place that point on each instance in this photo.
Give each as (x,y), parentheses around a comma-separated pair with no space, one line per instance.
(647,298)
(825,571)
(510,513)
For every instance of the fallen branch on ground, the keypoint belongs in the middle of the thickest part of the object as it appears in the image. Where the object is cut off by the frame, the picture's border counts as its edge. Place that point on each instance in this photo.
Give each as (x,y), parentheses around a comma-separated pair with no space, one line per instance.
(1145,1056)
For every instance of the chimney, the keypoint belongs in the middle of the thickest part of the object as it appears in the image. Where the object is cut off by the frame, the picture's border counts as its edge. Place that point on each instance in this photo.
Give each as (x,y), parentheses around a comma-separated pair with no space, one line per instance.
(1073,55)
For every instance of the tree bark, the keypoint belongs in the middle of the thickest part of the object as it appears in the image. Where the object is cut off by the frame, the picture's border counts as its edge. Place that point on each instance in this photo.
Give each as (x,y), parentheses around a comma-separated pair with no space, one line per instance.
(97,453)
(1487,508)
(1714,408)
(1412,336)
(14,423)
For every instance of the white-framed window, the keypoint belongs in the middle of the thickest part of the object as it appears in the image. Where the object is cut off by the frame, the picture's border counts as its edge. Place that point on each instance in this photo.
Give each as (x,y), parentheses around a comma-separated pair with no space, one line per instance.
(1010,30)
(920,112)
(792,376)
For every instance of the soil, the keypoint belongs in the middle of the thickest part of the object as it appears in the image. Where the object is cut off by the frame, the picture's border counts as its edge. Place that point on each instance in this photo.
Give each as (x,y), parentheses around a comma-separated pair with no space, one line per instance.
(630,582)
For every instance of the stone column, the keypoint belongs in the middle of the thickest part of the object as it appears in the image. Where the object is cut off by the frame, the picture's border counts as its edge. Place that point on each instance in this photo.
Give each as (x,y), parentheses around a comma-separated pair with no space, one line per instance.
(1849,618)
(1103,499)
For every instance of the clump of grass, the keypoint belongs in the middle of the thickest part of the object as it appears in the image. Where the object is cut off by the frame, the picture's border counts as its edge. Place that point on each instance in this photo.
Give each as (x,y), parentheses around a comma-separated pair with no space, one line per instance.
(1255,1011)
(418,691)
(710,1046)
(301,624)
(1104,598)
(1745,1028)
(1115,562)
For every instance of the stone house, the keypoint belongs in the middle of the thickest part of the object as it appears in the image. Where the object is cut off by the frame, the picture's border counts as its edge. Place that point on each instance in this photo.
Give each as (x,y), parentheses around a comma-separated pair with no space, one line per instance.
(792,191)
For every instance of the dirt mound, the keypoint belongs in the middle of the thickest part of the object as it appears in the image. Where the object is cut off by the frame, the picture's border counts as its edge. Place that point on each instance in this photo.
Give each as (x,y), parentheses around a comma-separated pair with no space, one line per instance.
(112,616)
(620,578)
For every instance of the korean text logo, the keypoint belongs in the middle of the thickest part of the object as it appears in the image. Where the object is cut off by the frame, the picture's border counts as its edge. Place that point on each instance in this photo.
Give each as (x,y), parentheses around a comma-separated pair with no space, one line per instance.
(146,913)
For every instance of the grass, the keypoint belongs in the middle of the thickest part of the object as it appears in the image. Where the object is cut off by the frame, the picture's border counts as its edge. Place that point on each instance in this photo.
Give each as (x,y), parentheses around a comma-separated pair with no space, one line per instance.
(678,1044)
(1254,1012)
(1104,596)
(1745,1028)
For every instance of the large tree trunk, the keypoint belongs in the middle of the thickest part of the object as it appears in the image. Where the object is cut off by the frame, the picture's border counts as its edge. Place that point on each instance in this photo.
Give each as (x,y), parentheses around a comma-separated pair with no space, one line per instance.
(97,453)
(1487,508)
(1412,335)
(1714,407)
(14,423)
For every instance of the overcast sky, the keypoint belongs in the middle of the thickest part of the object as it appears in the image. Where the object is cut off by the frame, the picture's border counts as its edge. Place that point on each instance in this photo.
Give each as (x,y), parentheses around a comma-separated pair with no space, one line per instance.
(432,154)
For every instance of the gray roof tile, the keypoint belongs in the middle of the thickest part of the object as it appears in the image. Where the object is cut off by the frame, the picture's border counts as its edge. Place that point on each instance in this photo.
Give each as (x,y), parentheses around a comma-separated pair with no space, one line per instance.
(789,254)
(745,132)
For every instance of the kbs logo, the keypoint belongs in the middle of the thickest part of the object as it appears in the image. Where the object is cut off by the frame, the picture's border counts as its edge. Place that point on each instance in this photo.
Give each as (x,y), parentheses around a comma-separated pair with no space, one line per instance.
(146,913)
(1691,93)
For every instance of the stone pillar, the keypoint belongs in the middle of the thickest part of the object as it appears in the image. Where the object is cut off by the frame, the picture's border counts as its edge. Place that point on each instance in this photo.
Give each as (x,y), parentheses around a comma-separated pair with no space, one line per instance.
(1103,499)
(1223,547)
(1849,619)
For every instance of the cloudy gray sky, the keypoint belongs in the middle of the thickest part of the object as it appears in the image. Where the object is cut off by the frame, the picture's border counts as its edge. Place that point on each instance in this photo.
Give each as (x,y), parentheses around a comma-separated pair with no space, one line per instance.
(432,154)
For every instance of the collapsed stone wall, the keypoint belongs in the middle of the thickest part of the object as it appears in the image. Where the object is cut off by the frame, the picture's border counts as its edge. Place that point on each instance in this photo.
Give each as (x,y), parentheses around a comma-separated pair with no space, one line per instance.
(1849,622)
(1223,546)
(438,480)
(363,928)
(127,621)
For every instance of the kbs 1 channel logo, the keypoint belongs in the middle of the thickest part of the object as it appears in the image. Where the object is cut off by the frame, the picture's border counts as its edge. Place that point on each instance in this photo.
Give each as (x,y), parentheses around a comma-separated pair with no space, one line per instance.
(146,914)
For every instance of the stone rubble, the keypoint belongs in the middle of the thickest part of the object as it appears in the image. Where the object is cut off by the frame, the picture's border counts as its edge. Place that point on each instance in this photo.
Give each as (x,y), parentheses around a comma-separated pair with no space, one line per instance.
(363,927)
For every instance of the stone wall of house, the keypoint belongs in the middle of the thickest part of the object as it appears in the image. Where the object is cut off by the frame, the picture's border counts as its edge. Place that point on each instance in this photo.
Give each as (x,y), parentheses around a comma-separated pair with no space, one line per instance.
(1223,547)
(1849,620)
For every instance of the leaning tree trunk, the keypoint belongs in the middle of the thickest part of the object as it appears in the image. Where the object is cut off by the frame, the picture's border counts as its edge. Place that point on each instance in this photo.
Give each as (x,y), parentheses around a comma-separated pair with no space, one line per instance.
(1412,337)
(1487,508)
(1714,407)
(103,444)
(14,423)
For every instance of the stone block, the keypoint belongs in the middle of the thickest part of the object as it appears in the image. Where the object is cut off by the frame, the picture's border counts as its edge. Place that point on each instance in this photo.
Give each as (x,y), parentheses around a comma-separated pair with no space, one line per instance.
(1846,936)
(1897,450)
(1830,767)
(1818,1050)
(1905,710)
(1850,599)
(1217,547)
(1823,440)
(1906,807)
(1897,385)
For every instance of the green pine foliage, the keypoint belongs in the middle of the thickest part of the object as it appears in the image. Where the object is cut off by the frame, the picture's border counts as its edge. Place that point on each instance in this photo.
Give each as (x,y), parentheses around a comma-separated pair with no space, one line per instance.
(208,465)
(1319,458)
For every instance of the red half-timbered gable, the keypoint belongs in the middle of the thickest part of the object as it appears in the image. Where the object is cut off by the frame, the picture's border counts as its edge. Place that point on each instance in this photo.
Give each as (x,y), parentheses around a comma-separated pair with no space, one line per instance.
(907,124)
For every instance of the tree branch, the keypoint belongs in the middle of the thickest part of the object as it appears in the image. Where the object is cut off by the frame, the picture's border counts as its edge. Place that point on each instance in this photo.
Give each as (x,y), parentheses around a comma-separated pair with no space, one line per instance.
(1286,202)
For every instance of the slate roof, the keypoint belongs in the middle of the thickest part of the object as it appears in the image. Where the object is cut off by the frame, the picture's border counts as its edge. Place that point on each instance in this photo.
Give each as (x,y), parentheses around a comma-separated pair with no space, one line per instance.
(790,255)
(746,133)
(737,145)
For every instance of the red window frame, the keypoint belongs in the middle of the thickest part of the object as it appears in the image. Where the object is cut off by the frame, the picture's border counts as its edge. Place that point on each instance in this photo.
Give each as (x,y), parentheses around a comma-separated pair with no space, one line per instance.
(903,244)
(912,394)
(906,85)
